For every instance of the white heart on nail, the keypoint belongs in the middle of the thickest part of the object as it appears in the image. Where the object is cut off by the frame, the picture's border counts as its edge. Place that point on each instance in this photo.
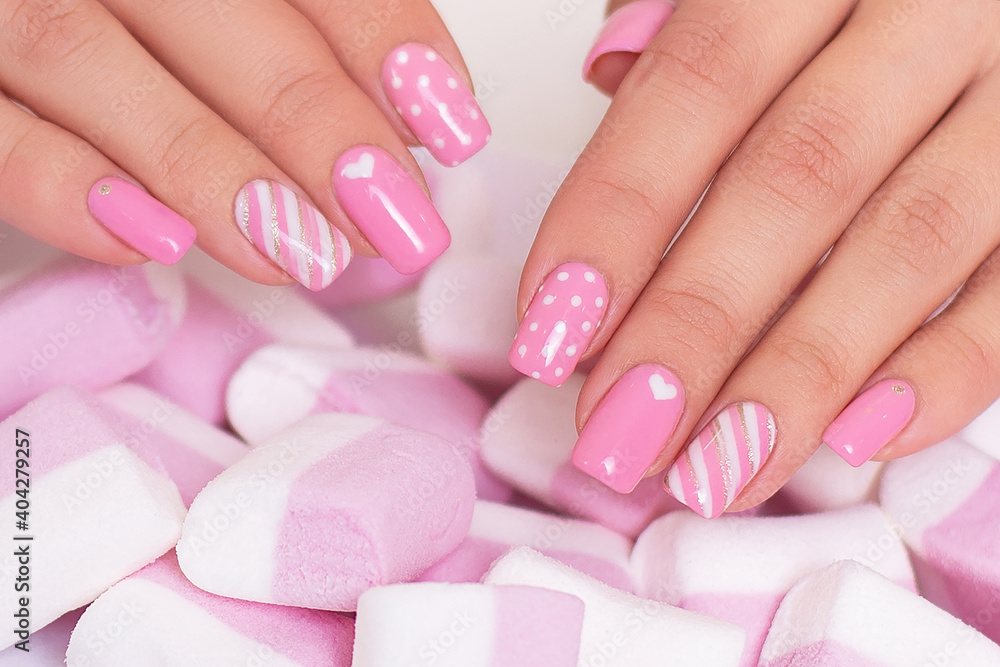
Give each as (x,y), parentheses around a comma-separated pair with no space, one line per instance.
(363,168)
(661,390)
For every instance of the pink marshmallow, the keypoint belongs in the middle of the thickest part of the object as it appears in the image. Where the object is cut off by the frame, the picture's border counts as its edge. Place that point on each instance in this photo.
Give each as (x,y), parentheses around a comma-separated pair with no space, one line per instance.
(156,616)
(527,440)
(738,568)
(325,510)
(945,501)
(847,614)
(589,547)
(467,625)
(97,510)
(278,385)
(83,323)
(192,451)
(828,482)
(366,279)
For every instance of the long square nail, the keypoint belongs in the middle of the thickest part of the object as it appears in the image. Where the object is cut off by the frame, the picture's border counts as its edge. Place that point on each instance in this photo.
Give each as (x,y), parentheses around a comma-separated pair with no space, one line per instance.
(871,421)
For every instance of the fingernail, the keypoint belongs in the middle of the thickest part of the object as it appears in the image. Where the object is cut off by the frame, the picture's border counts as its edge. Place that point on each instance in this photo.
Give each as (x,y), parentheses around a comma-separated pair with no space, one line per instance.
(630,30)
(389,208)
(871,421)
(434,102)
(134,216)
(721,461)
(560,323)
(629,428)
(291,233)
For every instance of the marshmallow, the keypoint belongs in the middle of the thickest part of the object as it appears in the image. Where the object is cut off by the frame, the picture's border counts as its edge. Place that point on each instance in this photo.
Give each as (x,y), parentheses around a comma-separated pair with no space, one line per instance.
(96,510)
(738,568)
(467,625)
(622,630)
(365,279)
(527,440)
(846,614)
(828,482)
(589,547)
(156,616)
(465,311)
(83,323)
(278,385)
(45,647)
(983,432)
(326,509)
(192,451)
(945,502)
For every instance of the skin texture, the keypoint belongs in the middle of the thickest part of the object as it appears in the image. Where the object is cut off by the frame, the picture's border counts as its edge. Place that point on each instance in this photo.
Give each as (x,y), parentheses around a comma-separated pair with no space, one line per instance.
(866,127)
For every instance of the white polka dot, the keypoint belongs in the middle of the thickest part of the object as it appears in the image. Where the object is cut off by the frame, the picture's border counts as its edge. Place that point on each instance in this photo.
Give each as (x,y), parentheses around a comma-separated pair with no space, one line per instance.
(559,372)
(533,326)
(562,276)
(536,375)
(442,108)
(560,327)
(415,109)
(474,115)
(397,83)
(439,142)
(571,351)
(548,300)
(522,350)
(586,326)
(465,140)
(431,56)
(599,301)
(589,276)
(402,57)
(423,81)
(452,83)
(575,301)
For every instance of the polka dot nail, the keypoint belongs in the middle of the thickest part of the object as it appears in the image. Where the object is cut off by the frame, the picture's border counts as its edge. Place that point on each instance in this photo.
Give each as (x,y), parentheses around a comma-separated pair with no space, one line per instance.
(560,323)
(431,97)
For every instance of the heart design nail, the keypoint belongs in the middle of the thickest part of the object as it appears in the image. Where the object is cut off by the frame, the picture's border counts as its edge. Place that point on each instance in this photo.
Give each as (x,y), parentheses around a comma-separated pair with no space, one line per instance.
(363,168)
(661,390)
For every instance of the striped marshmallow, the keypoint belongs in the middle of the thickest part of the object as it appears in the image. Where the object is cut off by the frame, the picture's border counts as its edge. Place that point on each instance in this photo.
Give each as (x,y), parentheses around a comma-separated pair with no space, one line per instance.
(725,456)
(292,233)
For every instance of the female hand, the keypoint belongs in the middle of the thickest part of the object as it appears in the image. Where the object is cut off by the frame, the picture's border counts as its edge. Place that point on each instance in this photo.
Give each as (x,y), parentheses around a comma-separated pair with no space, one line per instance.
(868,126)
(240,119)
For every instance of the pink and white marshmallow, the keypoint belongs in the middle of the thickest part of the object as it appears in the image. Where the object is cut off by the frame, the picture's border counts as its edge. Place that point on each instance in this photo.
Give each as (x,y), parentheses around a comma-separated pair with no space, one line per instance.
(847,614)
(589,547)
(528,439)
(738,568)
(467,625)
(325,510)
(620,629)
(828,482)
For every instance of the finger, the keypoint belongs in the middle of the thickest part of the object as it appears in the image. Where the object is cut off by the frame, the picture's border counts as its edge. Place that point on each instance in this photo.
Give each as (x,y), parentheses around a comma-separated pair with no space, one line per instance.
(401,55)
(685,105)
(792,186)
(284,90)
(626,33)
(918,238)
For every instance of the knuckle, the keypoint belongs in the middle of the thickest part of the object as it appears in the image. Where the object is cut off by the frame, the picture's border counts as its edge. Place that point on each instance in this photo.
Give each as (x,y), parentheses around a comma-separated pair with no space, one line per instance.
(183,148)
(700,312)
(971,355)
(296,100)
(815,358)
(47,33)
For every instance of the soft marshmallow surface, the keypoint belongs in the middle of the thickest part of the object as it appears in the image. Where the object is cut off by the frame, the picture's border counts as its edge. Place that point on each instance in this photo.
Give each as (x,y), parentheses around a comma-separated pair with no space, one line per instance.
(527,440)
(467,625)
(325,510)
(738,568)
(847,614)
(945,502)
(828,482)
(623,630)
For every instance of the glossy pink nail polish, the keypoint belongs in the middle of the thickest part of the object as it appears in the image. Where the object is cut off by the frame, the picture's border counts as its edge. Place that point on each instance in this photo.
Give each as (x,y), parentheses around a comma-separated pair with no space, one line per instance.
(630,30)
(390,209)
(712,471)
(871,421)
(134,216)
(434,102)
(292,233)
(629,428)
(560,323)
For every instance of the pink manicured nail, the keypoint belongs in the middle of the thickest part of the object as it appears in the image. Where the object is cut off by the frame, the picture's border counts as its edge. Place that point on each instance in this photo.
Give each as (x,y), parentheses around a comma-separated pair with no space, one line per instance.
(389,208)
(630,427)
(560,323)
(435,103)
(131,214)
(722,460)
(630,29)
(291,233)
(871,421)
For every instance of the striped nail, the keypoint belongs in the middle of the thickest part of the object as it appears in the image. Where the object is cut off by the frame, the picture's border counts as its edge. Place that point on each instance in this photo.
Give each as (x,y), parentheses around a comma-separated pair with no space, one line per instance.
(291,233)
(722,460)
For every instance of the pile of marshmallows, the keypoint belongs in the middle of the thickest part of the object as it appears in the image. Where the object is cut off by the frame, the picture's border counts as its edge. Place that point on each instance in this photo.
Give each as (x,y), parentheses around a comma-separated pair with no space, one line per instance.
(373,509)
